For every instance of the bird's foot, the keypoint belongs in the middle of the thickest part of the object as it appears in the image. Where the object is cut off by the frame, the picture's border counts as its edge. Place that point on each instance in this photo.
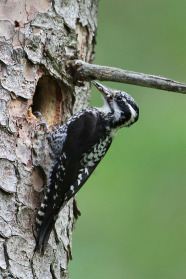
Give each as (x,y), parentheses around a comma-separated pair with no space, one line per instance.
(43,122)
(55,127)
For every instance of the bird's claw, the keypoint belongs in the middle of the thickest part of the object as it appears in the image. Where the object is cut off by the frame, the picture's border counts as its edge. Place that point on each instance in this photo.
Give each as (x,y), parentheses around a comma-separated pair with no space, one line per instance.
(55,127)
(43,122)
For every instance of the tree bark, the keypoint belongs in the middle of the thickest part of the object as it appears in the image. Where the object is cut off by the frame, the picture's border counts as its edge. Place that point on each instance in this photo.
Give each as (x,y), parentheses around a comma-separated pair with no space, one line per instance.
(37,38)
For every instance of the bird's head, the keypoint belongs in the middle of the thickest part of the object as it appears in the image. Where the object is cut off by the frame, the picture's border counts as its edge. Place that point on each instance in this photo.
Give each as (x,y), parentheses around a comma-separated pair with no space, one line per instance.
(121,107)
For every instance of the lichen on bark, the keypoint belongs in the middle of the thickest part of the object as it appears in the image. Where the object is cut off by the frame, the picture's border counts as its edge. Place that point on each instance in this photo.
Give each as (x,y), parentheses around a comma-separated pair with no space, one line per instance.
(37,39)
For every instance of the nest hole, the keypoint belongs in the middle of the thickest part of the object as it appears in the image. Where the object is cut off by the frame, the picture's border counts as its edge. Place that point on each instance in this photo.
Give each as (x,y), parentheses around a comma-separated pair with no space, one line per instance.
(48,100)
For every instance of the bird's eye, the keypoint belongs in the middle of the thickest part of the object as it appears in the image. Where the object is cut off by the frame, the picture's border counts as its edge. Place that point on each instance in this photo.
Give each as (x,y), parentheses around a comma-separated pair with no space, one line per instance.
(119,98)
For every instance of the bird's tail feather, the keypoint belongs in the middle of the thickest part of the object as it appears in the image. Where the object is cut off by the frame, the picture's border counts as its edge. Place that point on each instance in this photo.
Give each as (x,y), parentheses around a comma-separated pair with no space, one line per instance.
(45,223)
(43,235)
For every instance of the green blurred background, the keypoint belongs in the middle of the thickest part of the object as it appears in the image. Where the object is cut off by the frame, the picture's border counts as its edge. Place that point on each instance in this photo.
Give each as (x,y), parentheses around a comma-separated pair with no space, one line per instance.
(133,206)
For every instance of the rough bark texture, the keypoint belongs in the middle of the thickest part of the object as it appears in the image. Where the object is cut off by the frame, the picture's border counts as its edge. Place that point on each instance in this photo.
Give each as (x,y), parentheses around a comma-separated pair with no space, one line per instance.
(37,38)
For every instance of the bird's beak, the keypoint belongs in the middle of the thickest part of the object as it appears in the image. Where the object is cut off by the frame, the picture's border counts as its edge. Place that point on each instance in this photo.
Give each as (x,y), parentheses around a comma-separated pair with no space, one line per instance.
(104,90)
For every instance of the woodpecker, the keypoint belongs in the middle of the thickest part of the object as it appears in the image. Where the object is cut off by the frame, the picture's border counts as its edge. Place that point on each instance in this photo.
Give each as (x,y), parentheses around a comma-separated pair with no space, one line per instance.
(78,146)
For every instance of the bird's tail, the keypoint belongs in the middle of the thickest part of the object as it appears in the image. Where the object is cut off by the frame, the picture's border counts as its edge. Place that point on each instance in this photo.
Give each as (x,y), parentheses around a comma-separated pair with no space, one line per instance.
(43,236)
(45,222)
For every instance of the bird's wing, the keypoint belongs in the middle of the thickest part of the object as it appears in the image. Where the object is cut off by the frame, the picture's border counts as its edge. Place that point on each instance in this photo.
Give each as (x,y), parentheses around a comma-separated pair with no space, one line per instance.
(85,146)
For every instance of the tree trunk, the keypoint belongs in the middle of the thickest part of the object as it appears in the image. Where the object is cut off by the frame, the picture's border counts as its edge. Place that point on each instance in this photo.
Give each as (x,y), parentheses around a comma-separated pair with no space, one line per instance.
(37,39)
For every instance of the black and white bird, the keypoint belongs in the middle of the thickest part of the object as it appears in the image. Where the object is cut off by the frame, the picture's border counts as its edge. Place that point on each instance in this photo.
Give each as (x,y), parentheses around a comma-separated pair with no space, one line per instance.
(78,146)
